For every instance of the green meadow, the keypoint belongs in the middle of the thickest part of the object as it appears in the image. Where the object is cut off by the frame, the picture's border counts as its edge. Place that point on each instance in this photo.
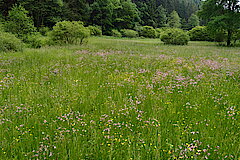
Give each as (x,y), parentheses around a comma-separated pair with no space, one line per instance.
(133,99)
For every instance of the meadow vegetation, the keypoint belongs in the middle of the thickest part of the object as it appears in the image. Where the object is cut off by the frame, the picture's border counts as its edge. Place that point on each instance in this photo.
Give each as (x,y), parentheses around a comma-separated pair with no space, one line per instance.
(120,98)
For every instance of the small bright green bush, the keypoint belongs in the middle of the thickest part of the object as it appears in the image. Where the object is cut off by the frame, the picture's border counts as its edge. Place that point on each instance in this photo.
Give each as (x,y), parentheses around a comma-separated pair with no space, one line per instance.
(116,33)
(199,33)
(129,33)
(9,42)
(95,31)
(158,32)
(148,32)
(67,32)
(175,36)
(37,40)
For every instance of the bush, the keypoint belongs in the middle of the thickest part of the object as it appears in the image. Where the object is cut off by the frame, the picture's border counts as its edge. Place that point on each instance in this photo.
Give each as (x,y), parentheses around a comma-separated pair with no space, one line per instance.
(95,31)
(199,33)
(37,40)
(67,32)
(129,33)
(158,32)
(1,27)
(220,36)
(175,36)
(116,33)
(43,30)
(9,42)
(236,36)
(148,32)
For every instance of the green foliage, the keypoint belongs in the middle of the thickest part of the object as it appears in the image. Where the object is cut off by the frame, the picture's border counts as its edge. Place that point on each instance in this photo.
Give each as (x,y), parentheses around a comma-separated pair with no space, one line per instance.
(1,27)
(102,15)
(37,40)
(116,33)
(75,10)
(67,32)
(44,30)
(129,33)
(9,42)
(19,23)
(219,36)
(126,14)
(148,32)
(111,14)
(1,24)
(45,12)
(222,16)
(95,30)
(161,16)
(174,21)
(175,36)
(159,31)
(199,33)
(236,36)
(193,21)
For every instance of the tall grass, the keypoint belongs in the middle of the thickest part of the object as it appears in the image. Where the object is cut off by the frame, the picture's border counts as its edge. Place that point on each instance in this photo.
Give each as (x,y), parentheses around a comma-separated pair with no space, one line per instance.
(120,99)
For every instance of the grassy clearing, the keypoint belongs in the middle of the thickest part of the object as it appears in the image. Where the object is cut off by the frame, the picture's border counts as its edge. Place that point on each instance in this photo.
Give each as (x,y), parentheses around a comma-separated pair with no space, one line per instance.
(120,99)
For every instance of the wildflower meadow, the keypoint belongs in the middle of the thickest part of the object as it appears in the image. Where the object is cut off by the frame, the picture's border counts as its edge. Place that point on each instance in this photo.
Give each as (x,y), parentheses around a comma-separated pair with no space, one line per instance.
(119,98)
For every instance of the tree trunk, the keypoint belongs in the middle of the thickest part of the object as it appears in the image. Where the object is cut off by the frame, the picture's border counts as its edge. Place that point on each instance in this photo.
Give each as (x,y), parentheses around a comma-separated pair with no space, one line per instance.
(229,37)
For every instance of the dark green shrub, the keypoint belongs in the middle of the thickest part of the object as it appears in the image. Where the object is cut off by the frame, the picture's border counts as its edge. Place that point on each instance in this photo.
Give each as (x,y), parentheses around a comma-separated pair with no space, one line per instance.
(175,36)
(129,33)
(9,42)
(148,32)
(95,31)
(19,23)
(1,27)
(116,33)
(43,30)
(219,36)
(67,32)
(236,36)
(199,33)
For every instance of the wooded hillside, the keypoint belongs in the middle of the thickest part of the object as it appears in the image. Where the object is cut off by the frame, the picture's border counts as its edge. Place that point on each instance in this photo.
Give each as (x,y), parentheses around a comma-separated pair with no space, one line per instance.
(106,13)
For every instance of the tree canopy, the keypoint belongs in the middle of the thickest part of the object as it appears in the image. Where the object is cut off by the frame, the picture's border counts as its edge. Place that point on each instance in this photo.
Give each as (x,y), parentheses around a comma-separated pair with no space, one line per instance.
(223,16)
(108,14)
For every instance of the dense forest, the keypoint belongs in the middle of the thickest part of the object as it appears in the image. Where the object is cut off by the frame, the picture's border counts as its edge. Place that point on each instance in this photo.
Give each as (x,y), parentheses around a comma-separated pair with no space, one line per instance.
(108,14)
(208,20)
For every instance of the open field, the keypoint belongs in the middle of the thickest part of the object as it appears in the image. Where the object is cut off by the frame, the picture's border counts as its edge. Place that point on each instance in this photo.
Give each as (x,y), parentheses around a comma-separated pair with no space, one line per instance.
(120,99)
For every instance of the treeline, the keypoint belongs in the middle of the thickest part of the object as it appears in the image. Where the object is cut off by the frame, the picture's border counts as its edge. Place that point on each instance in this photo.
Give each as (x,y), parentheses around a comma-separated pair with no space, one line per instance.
(42,22)
(108,14)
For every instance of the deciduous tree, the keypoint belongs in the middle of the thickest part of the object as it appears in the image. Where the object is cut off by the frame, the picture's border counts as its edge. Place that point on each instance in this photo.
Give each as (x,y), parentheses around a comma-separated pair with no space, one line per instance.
(223,16)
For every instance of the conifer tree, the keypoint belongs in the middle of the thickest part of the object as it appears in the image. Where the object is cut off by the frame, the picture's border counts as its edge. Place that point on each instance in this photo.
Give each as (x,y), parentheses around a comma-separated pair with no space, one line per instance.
(193,21)
(174,21)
